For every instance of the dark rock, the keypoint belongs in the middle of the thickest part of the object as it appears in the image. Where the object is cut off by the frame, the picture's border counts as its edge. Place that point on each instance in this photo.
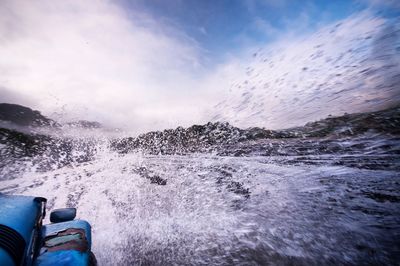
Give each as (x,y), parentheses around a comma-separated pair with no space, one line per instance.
(23,116)
(321,137)
(45,152)
(157,180)
(146,173)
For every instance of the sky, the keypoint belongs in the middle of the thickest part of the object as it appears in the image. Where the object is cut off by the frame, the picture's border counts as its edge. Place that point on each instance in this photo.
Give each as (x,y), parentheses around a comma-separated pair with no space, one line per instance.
(227,26)
(147,64)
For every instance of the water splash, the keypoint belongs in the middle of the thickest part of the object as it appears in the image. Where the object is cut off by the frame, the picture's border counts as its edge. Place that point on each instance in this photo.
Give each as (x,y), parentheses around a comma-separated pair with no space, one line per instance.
(349,66)
(302,214)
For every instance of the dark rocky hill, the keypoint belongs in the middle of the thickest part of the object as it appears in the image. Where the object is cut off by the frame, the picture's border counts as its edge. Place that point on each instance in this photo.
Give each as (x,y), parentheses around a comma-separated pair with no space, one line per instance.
(23,116)
(19,150)
(352,136)
(222,137)
(385,121)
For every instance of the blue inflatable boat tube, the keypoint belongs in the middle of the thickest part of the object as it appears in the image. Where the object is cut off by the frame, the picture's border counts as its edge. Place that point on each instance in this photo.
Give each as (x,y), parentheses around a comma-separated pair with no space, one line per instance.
(25,241)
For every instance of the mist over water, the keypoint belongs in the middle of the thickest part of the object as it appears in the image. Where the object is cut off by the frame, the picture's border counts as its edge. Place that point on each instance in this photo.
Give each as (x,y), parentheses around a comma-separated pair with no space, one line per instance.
(327,193)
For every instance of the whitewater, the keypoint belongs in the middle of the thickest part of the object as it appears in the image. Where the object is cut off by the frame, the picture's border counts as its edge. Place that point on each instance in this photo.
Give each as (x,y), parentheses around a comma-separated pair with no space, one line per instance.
(225,210)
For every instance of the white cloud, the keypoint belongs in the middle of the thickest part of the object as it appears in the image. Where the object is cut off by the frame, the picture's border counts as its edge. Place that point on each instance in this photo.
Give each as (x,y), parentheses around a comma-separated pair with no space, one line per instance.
(383,3)
(252,5)
(265,27)
(93,60)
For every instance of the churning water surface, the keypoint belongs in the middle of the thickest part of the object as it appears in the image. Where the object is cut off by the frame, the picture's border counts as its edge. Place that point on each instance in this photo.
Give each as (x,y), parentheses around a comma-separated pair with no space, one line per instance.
(224,210)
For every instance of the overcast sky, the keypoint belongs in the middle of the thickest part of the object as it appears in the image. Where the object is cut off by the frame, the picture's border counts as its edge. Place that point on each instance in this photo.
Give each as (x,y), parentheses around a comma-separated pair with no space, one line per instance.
(146,64)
